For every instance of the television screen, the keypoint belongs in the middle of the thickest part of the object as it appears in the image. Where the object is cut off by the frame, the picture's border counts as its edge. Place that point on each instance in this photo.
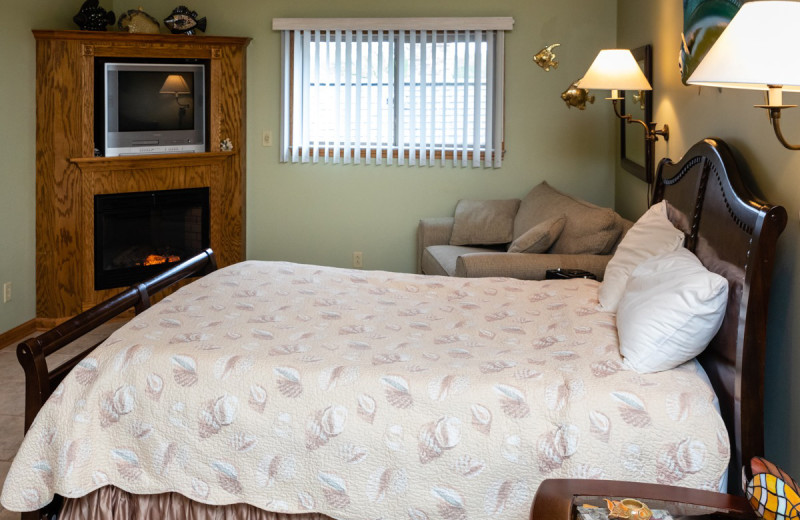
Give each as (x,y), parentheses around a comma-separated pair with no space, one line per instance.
(144,105)
(153,108)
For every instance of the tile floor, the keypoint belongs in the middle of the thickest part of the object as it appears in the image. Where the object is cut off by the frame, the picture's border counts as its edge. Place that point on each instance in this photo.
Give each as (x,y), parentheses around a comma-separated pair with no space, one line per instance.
(12,397)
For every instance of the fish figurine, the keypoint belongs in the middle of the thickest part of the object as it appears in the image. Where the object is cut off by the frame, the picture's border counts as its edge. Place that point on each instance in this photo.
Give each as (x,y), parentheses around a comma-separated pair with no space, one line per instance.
(577,97)
(137,21)
(92,17)
(182,20)
(546,58)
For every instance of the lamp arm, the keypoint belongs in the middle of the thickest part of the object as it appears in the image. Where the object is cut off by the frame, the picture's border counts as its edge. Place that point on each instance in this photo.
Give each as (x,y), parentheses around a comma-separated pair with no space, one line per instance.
(775,119)
(650,137)
(650,131)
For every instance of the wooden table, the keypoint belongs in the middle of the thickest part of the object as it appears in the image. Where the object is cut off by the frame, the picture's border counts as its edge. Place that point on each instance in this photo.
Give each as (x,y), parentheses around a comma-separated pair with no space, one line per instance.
(556,499)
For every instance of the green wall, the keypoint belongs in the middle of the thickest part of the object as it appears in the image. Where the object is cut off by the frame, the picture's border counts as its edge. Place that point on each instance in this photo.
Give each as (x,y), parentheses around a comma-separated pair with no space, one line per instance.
(693,113)
(17,149)
(322,213)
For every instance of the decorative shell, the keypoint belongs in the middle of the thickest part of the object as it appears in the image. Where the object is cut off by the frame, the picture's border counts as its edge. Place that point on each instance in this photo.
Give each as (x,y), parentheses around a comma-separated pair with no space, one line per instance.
(137,21)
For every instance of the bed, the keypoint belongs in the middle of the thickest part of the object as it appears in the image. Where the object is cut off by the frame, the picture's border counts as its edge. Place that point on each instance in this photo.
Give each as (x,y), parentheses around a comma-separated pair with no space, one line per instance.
(279,390)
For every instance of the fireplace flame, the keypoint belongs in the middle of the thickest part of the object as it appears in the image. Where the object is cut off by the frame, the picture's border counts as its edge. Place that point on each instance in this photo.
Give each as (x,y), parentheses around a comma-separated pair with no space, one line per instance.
(158,259)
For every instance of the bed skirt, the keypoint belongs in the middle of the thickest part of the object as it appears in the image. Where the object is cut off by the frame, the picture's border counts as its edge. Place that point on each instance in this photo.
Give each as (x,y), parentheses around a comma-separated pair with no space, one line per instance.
(111,502)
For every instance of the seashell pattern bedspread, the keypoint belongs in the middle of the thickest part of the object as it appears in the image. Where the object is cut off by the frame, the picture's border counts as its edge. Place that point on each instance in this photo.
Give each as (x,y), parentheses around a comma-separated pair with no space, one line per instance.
(366,394)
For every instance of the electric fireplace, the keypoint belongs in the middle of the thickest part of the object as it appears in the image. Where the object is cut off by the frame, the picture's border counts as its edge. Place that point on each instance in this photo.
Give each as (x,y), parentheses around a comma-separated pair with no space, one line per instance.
(138,235)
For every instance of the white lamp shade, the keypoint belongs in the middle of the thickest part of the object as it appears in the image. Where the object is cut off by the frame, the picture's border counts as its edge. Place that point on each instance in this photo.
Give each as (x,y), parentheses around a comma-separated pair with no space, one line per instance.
(758,48)
(175,84)
(615,69)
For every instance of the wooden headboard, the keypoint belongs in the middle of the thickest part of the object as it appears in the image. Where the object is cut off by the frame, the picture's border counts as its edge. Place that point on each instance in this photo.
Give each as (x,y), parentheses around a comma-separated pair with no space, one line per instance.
(734,234)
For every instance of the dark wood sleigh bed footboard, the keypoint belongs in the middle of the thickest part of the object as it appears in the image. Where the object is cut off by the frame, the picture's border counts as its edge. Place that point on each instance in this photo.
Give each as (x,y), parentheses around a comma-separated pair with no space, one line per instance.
(32,353)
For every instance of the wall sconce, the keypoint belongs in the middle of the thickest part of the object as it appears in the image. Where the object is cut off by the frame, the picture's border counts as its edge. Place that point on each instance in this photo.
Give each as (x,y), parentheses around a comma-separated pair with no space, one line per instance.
(615,70)
(757,51)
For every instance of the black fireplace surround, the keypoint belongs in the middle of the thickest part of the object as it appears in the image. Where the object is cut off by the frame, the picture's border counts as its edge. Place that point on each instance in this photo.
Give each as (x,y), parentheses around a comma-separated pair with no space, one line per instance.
(138,235)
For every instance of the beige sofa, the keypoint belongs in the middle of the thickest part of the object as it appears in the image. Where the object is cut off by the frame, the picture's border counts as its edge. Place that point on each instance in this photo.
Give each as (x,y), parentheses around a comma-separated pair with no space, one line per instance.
(485,238)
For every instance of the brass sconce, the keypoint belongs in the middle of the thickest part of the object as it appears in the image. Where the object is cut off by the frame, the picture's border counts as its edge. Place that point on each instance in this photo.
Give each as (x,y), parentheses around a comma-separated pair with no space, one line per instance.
(757,51)
(615,70)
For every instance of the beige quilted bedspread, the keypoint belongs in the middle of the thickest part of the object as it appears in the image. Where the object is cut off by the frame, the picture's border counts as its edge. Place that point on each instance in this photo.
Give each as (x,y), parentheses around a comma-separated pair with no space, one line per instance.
(366,395)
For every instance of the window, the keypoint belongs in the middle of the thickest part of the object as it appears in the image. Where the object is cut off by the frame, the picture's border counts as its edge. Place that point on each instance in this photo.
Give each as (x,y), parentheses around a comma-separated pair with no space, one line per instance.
(414,91)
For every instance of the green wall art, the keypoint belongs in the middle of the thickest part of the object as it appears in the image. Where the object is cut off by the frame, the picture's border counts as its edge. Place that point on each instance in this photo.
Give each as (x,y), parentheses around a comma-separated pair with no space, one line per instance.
(703,22)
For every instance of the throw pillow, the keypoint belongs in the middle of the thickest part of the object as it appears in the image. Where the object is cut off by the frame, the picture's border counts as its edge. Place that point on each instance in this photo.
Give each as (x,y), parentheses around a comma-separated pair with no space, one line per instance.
(672,308)
(540,237)
(589,229)
(653,234)
(484,222)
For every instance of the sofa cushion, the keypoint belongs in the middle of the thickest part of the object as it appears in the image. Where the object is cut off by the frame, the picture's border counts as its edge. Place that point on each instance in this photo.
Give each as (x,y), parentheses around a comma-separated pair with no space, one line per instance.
(540,237)
(589,229)
(441,260)
(484,222)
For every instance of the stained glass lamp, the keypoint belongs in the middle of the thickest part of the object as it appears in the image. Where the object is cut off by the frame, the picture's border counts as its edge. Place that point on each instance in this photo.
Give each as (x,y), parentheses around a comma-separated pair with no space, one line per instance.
(772,493)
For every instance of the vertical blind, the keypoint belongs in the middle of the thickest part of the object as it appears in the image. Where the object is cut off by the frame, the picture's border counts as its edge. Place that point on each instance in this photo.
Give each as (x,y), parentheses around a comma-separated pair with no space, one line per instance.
(414,91)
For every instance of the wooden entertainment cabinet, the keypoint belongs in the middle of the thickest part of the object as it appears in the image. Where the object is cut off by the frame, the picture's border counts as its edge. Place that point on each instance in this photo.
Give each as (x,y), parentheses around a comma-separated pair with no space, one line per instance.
(68,175)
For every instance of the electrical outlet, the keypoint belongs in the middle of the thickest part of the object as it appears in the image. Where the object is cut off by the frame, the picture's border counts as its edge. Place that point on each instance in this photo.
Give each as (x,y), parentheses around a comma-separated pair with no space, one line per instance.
(266,138)
(358,259)
(6,292)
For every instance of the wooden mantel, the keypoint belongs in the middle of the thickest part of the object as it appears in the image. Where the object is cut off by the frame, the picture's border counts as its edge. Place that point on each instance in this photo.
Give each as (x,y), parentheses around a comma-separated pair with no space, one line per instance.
(68,175)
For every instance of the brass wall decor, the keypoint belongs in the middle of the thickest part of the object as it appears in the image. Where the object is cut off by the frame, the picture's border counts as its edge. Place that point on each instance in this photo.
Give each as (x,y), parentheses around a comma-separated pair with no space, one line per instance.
(577,97)
(546,58)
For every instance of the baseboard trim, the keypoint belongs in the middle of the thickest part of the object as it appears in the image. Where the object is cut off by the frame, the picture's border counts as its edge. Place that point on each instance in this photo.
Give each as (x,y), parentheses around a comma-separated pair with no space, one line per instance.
(12,337)
(28,329)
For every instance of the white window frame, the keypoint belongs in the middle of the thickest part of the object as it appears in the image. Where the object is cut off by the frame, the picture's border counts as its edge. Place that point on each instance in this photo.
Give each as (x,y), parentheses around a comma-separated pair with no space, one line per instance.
(481,146)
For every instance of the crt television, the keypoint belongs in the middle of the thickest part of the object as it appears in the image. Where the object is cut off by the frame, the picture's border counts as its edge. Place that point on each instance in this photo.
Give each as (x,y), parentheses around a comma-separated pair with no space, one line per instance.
(152,108)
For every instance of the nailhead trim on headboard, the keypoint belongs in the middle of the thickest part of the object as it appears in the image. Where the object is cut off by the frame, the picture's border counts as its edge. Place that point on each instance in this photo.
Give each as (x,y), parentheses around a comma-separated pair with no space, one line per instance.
(744,227)
(686,167)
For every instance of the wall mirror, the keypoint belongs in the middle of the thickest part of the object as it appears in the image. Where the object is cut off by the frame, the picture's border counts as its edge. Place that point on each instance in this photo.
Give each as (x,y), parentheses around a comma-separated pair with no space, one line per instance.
(640,105)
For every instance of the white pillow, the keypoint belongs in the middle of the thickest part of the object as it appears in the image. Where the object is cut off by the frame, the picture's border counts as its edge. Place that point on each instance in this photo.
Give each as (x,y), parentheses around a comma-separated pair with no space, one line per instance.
(671,309)
(653,234)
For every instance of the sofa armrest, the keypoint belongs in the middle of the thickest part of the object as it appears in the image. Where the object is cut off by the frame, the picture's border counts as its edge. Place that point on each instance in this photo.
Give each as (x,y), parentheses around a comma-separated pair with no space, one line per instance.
(434,231)
(526,266)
